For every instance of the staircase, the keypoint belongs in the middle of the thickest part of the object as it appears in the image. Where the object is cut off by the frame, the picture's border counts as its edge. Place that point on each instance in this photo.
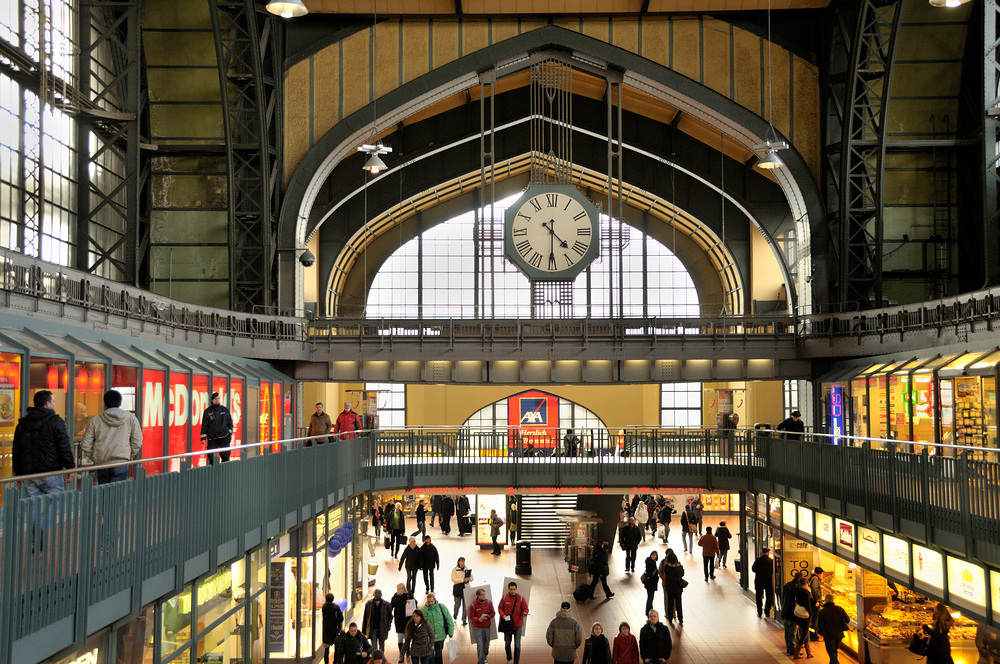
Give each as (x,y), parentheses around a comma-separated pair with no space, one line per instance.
(538,523)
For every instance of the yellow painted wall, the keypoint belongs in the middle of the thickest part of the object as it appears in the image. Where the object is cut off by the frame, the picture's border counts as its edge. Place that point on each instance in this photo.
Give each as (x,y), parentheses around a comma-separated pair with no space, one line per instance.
(765,275)
(331,395)
(754,401)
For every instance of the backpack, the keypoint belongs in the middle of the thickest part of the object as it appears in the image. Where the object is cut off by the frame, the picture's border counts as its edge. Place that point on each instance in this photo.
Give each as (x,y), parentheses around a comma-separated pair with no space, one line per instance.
(919,642)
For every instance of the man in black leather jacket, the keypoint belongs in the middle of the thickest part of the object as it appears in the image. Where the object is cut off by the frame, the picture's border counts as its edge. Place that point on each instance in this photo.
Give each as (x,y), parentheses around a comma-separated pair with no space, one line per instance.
(216,429)
(42,445)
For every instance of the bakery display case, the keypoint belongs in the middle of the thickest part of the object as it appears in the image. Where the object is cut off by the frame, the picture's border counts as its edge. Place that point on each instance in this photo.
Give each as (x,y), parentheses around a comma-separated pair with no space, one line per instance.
(889,626)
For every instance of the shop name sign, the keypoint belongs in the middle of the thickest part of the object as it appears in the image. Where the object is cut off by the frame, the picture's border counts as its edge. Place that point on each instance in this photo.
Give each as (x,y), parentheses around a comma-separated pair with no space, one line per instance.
(868,544)
(805,520)
(928,568)
(86,658)
(845,534)
(182,404)
(441,490)
(824,528)
(966,583)
(896,554)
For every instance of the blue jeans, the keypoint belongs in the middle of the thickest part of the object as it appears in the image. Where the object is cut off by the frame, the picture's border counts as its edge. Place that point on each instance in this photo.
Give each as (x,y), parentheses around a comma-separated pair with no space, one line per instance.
(44,485)
(378,639)
(109,475)
(483,643)
(516,636)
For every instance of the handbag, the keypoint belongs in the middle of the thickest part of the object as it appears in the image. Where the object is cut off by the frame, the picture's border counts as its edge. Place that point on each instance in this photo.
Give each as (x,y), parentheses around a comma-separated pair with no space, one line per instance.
(452,648)
(506,626)
(684,583)
(801,611)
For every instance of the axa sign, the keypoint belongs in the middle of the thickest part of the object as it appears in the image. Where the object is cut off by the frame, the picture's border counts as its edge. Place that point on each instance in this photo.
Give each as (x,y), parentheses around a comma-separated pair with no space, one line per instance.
(534,411)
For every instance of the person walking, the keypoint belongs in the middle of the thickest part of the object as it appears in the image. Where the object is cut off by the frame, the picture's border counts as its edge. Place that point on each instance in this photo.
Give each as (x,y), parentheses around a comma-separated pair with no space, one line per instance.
(513,609)
(461,576)
(655,644)
(802,611)
(462,510)
(698,507)
(333,624)
(347,422)
(429,561)
(353,647)
(377,515)
(216,430)
(642,518)
(597,648)
(709,550)
(114,435)
(396,525)
(496,523)
(626,647)
(723,535)
(320,424)
(793,426)
(441,622)
(763,582)
(481,616)
(377,620)
(663,515)
(571,442)
(447,511)
(564,636)
(41,445)
(650,579)
(413,560)
(816,591)
(672,575)
(939,645)
(421,520)
(788,611)
(599,569)
(399,616)
(418,644)
(436,500)
(629,538)
(831,622)
(689,526)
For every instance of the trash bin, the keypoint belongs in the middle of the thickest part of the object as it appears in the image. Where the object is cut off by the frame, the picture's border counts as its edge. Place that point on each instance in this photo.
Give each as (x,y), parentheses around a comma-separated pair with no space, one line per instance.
(761,429)
(522,558)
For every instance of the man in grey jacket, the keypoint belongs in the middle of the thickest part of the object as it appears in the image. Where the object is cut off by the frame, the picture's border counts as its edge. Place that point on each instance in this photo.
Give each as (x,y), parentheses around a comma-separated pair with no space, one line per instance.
(114,435)
(564,635)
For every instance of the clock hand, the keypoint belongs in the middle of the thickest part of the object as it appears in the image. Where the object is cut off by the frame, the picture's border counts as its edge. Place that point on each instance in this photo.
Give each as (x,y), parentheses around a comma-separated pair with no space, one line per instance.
(549,227)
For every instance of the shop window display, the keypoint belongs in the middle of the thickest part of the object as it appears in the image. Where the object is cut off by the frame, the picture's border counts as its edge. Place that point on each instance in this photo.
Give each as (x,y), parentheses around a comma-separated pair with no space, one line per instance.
(135,639)
(175,622)
(223,644)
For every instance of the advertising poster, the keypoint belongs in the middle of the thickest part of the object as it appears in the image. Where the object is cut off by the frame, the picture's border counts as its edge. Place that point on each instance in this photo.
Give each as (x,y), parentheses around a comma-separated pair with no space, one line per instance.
(966,584)
(805,521)
(845,538)
(869,545)
(178,414)
(470,597)
(896,553)
(236,410)
(824,528)
(535,416)
(200,400)
(836,413)
(798,556)
(788,512)
(276,608)
(485,503)
(928,568)
(152,418)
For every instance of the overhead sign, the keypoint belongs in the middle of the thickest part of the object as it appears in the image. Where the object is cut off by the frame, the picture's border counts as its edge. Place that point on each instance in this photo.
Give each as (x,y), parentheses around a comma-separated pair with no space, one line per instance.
(896,553)
(869,545)
(966,584)
(788,512)
(805,520)
(928,568)
(535,416)
(836,413)
(845,536)
(824,528)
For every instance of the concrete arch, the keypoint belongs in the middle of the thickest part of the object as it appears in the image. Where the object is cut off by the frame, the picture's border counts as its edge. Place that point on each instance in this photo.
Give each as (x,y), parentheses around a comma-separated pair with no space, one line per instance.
(737,123)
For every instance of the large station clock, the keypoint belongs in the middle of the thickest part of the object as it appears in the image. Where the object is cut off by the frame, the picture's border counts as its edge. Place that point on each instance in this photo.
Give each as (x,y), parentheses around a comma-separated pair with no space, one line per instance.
(551,232)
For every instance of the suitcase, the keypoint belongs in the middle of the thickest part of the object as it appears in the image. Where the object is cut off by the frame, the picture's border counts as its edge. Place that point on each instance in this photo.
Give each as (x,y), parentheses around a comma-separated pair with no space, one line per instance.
(582,593)
(387,542)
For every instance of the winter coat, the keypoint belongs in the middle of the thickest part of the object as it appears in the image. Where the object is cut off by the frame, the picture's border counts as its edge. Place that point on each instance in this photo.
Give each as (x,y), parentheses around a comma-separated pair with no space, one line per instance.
(652,581)
(687,519)
(419,641)
(625,650)
(663,516)
(448,506)
(723,535)
(440,621)
(216,422)
(421,514)
(350,646)
(320,425)
(458,580)
(564,636)
(462,507)
(599,563)
(672,575)
(596,650)
(629,537)
(763,570)
(114,435)
(333,622)
(788,600)
(709,545)
(698,508)
(429,558)
(395,521)
(641,513)
(495,523)
(411,558)
(516,607)
(831,622)
(938,647)
(399,617)
(436,504)
(348,422)
(802,598)
(377,616)
(655,642)
(41,443)
(481,613)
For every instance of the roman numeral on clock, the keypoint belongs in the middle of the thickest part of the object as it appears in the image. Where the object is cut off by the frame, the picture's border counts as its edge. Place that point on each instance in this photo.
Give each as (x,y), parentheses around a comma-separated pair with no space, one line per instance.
(552,200)
(552,263)
(523,247)
(579,247)
(583,231)
(520,231)
(580,215)
(536,260)
(535,204)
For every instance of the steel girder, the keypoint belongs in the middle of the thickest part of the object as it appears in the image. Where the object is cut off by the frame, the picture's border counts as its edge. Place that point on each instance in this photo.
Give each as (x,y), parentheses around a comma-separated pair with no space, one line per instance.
(991,140)
(111,231)
(862,158)
(249,60)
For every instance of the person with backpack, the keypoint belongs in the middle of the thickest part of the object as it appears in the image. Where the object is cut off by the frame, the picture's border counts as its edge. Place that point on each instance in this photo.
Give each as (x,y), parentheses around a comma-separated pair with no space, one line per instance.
(333,624)
(831,621)
(442,624)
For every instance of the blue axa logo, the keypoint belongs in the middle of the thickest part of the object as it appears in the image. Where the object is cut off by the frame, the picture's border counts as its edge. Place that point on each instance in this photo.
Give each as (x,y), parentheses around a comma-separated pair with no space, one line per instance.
(535,411)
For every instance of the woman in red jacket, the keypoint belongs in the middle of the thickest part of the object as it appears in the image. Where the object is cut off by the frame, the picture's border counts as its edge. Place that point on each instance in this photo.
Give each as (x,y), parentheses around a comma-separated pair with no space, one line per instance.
(626,648)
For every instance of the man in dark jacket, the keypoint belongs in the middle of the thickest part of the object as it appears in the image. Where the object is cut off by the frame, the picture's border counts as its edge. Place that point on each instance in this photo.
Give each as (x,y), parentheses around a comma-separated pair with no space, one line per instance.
(377,620)
(42,445)
(663,516)
(354,647)
(216,429)
(628,538)
(333,623)
(447,511)
(763,582)
(395,523)
(435,508)
(654,640)
(793,426)
(462,509)
(599,569)
(429,561)
(831,623)
(788,611)
(399,616)
(412,558)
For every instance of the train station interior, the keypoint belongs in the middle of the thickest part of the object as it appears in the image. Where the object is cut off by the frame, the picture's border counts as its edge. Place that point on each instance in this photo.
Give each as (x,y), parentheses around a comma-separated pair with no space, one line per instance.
(548,258)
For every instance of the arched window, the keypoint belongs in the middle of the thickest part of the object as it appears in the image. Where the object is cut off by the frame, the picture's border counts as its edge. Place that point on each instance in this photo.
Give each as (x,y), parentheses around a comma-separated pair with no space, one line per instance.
(457,270)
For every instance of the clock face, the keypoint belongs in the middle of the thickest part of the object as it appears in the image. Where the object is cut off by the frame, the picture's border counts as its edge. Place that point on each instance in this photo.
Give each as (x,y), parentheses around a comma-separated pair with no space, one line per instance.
(551,232)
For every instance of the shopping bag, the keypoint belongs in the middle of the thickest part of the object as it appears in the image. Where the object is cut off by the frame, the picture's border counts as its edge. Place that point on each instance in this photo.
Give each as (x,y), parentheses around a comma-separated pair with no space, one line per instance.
(452,648)
(411,606)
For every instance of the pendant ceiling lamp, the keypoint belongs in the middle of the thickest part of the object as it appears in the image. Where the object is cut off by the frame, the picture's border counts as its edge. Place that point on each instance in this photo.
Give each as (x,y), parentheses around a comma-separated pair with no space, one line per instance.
(772,144)
(287,8)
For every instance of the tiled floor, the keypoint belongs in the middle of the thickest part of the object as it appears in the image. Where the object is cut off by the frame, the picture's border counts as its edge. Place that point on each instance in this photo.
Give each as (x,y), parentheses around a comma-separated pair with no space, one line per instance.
(720,623)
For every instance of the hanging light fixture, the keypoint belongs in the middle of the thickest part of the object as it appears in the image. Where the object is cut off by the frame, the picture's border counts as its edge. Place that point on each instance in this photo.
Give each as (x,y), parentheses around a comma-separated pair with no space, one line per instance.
(373,147)
(948,3)
(52,378)
(772,144)
(375,165)
(287,8)
(96,380)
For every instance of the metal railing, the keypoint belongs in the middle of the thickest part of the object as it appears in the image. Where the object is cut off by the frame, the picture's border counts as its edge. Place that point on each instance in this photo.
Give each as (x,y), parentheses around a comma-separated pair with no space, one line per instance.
(75,561)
